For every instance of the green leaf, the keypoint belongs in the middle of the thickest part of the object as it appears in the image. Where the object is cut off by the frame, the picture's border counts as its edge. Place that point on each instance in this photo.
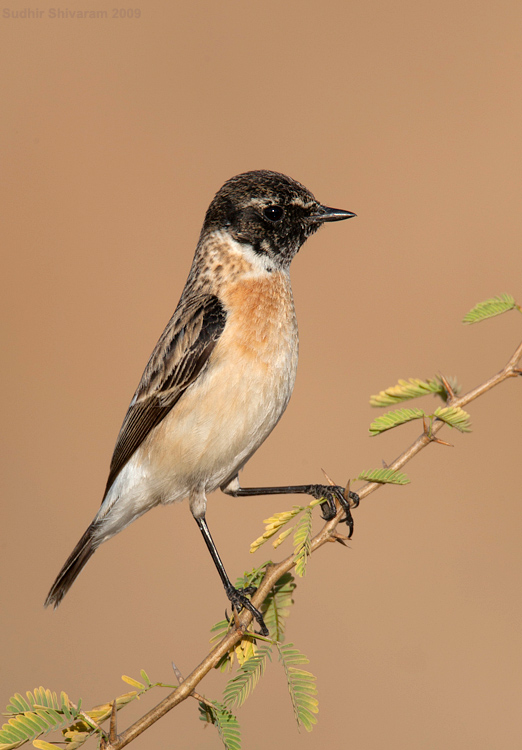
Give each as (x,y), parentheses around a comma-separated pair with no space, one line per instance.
(394,418)
(253,578)
(145,678)
(408,389)
(220,629)
(18,705)
(273,524)
(384,476)
(47,713)
(102,712)
(303,542)
(239,687)
(282,536)
(301,686)
(276,606)
(489,308)
(44,718)
(32,723)
(28,725)
(454,416)
(74,740)
(276,522)
(131,681)
(225,722)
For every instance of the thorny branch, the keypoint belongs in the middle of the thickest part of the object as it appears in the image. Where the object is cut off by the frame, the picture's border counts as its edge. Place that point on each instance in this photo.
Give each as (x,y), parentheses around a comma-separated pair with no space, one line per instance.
(274,572)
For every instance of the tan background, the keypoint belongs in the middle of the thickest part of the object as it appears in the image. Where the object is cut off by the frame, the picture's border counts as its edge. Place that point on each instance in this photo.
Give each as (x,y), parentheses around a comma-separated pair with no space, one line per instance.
(115,135)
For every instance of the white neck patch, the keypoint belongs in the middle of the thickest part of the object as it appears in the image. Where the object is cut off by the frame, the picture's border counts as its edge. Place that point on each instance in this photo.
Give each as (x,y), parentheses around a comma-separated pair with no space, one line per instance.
(261,263)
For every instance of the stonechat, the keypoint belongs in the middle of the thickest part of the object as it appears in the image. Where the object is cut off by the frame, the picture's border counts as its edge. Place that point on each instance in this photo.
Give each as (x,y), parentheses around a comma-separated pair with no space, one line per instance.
(221,374)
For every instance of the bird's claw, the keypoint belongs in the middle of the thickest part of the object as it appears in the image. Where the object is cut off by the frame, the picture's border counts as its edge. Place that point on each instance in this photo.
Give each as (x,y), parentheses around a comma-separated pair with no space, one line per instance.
(239,600)
(329,509)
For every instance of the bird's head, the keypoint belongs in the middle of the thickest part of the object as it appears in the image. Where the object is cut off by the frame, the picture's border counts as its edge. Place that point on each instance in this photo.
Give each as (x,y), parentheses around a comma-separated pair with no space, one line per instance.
(270,212)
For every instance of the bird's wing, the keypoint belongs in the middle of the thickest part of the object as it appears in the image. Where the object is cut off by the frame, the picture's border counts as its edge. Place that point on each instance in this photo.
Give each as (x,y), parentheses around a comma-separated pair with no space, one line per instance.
(178,359)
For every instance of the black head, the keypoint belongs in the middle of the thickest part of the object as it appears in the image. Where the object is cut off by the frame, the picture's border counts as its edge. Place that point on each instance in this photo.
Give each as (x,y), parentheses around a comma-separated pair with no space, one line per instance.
(269,211)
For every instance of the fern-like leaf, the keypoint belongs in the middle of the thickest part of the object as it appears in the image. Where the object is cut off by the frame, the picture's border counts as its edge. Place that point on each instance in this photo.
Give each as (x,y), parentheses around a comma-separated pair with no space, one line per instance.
(301,686)
(41,713)
(489,308)
(384,476)
(239,687)
(252,578)
(282,536)
(303,542)
(225,722)
(408,389)
(273,524)
(276,522)
(276,606)
(102,712)
(393,419)
(40,697)
(454,416)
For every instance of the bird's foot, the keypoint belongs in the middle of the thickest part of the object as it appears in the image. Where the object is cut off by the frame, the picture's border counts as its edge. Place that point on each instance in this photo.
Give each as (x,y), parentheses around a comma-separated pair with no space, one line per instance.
(331,493)
(239,600)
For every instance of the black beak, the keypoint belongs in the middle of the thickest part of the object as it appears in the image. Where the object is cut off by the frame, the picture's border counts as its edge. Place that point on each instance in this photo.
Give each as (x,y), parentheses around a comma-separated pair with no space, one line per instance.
(323,213)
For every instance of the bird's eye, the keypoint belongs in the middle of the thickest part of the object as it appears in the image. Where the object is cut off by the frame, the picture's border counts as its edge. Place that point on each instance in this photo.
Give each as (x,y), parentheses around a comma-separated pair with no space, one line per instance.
(273,213)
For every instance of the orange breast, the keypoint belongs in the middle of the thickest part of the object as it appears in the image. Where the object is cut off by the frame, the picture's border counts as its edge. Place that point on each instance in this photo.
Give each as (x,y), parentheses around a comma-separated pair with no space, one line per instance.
(262,316)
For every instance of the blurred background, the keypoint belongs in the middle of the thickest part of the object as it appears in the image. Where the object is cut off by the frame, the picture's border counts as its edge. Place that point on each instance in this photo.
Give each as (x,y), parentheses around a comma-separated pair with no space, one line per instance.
(116,132)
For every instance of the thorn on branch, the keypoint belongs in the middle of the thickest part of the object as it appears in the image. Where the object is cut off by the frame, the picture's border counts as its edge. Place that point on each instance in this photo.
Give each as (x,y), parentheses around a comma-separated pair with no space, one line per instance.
(441,442)
(330,481)
(113,731)
(336,537)
(449,390)
(239,627)
(431,437)
(193,694)
(179,676)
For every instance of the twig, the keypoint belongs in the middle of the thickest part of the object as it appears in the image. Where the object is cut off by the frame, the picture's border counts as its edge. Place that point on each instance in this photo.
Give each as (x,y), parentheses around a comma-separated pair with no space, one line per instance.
(113,732)
(275,571)
(193,694)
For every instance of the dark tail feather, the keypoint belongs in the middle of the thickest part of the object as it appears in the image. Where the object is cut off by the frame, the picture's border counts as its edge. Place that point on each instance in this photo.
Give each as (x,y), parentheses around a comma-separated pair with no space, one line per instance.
(74,564)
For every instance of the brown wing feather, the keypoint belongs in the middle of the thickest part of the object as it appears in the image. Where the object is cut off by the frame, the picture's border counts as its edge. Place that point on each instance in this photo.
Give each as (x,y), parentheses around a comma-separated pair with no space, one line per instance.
(178,358)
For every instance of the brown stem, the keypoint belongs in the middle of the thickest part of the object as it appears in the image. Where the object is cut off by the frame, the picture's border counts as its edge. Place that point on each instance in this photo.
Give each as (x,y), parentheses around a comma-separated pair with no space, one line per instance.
(274,572)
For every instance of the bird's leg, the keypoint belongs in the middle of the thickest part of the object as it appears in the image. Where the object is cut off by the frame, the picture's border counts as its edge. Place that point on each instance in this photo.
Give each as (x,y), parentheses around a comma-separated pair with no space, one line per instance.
(237,597)
(318,491)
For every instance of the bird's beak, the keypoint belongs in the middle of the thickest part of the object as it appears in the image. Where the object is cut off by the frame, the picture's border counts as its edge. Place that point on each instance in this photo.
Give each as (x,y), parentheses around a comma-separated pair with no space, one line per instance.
(324,213)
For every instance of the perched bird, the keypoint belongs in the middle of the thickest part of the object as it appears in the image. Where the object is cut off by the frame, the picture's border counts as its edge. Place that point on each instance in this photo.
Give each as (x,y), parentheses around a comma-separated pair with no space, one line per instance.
(221,374)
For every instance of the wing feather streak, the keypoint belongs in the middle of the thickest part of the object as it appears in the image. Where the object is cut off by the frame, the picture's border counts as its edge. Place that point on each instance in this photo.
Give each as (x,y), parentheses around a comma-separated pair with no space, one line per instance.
(178,359)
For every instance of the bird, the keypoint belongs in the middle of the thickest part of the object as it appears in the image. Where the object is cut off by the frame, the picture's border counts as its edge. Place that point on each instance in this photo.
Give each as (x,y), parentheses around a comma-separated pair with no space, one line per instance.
(221,374)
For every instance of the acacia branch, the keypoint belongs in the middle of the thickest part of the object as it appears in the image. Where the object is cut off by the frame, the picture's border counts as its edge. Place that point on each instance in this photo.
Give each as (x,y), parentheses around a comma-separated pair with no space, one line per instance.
(275,571)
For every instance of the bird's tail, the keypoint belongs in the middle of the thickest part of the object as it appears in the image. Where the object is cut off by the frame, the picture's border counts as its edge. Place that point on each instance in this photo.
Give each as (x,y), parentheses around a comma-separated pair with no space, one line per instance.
(74,564)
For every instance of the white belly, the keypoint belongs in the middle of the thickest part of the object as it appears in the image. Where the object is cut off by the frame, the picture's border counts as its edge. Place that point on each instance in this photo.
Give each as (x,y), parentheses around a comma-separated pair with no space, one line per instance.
(217,424)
